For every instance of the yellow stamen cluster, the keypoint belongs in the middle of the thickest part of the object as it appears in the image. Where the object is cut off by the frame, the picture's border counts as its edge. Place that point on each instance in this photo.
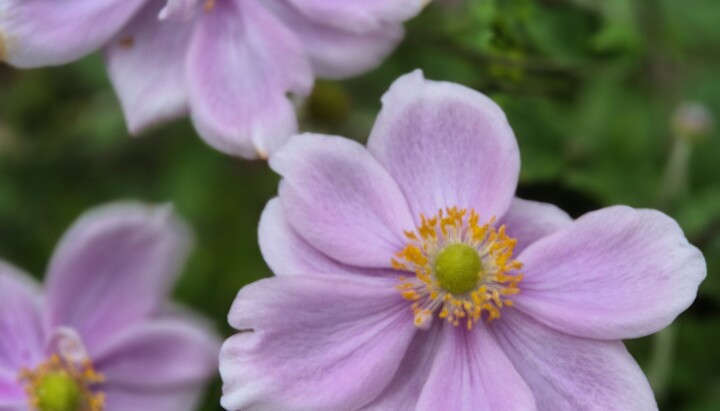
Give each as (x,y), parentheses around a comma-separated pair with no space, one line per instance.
(73,379)
(498,277)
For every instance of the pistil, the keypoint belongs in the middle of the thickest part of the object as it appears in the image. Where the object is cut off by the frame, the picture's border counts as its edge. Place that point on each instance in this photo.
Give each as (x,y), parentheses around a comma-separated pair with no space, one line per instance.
(464,271)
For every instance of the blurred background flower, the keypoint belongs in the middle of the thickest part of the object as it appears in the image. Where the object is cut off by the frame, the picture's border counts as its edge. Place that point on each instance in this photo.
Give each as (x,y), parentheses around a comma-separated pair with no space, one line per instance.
(591,88)
(229,65)
(100,334)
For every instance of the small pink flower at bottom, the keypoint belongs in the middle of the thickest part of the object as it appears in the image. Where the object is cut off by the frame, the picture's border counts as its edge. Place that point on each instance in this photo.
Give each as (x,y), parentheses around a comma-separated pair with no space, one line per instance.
(409,277)
(102,335)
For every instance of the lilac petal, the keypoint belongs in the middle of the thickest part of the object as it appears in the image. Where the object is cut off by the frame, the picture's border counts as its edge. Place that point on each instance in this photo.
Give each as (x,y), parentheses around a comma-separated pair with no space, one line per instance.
(178,312)
(179,10)
(446,145)
(165,353)
(157,50)
(179,399)
(12,394)
(40,32)
(528,221)
(242,63)
(287,253)
(21,332)
(403,392)
(615,273)
(338,52)
(339,199)
(304,337)
(471,372)
(113,268)
(359,15)
(569,373)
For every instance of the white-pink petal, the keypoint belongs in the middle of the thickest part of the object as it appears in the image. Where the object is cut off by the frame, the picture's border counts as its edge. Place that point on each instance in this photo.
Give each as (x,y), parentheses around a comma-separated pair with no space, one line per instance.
(472,373)
(613,274)
(161,354)
(177,399)
(403,391)
(528,221)
(341,201)
(338,52)
(22,338)
(12,393)
(241,65)
(361,15)
(113,268)
(37,33)
(567,373)
(179,10)
(287,253)
(146,65)
(313,343)
(446,145)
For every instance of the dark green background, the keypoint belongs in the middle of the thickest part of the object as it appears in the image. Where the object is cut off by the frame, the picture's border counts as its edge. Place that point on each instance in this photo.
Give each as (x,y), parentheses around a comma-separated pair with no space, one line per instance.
(590,87)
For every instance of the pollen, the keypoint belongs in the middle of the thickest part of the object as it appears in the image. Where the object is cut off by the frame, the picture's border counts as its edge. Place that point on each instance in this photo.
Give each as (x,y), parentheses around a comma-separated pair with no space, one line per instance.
(463,271)
(61,385)
(127,42)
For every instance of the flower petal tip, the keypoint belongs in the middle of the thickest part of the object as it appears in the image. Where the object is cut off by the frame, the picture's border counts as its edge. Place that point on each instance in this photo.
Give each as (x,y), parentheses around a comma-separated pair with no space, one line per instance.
(410,81)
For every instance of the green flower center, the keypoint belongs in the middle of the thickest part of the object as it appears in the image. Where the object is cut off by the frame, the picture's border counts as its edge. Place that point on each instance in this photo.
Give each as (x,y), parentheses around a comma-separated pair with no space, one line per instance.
(457,268)
(58,391)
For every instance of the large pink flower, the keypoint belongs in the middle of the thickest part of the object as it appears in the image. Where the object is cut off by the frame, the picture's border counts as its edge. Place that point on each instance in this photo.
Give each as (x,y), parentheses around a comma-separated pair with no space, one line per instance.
(102,335)
(229,63)
(408,277)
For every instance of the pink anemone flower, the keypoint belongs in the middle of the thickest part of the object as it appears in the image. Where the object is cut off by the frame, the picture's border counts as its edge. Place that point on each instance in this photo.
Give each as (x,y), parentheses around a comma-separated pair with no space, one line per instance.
(102,335)
(409,277)
(230,64)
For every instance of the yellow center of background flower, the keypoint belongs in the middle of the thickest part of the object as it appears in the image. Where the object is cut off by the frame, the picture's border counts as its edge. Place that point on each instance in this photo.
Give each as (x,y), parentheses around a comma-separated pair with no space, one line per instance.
(60,385)
(463,270)
(58,391)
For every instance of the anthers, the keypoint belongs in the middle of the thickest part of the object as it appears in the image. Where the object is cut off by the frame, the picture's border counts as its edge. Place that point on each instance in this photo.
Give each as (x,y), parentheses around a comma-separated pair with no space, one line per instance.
(61,385)
(450,285)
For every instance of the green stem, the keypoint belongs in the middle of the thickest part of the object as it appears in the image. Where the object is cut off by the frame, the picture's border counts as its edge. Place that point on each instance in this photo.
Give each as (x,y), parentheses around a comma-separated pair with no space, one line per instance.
(676,173)
(661,361)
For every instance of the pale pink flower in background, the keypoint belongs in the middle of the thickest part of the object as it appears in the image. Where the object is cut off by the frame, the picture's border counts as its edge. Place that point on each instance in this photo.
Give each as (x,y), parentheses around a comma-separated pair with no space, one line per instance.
(230,64)
(409,277)
(101,334)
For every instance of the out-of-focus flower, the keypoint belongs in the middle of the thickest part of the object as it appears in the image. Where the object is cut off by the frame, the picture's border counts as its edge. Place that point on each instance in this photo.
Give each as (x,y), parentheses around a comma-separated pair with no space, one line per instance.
(229,63)
(692,121)
(101,335)
(409,277)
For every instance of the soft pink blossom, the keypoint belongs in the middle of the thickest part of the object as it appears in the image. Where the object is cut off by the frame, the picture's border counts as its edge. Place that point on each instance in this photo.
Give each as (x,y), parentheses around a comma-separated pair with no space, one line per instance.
(352,321)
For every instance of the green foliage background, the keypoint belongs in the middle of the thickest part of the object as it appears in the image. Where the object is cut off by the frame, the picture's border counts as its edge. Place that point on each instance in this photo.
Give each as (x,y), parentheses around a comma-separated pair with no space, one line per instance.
(590,87)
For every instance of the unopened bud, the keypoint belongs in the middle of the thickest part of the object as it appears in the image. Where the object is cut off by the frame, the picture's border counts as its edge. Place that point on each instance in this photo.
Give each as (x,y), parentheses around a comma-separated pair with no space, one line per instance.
(692,121)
